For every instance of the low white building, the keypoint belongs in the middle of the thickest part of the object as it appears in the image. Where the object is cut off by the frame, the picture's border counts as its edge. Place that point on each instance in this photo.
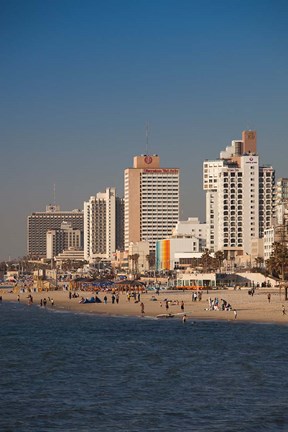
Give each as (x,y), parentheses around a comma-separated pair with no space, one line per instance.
(69,255)
(169,251)
(191,228)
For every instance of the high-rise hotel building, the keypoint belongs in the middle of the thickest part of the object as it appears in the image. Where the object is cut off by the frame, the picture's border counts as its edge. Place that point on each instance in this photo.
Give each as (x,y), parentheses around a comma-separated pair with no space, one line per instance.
(239,197)
(151,196)
(103,225)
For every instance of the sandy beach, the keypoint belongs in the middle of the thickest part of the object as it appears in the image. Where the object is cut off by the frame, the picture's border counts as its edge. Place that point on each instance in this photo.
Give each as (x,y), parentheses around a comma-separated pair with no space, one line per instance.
(255,308)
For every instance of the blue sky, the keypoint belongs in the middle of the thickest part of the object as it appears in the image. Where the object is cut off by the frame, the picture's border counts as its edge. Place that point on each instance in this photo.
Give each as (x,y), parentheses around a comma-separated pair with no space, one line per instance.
(80,79)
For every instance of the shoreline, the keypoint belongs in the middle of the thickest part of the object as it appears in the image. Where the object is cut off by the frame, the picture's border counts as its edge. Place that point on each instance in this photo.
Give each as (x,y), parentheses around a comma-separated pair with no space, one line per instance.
(253,309)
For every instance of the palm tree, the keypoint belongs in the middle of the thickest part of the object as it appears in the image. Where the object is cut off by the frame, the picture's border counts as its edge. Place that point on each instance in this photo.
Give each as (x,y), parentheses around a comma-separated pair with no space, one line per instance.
(206,260)
(219,259)
(98,260)
(194,262)
(148,261)
(278,261)
(130,258)
(136,259)
(151,260)
(259,262)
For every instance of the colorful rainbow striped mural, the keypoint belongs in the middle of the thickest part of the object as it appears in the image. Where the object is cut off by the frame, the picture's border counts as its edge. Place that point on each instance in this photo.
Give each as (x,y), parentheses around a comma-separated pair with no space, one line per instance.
(163,255)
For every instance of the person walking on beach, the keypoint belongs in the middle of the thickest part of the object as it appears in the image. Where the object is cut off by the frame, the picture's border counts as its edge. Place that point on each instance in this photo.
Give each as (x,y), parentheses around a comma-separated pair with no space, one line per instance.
(142,308)
(269,297)
(52,302)
(182,305)
(283,310)
(235,314)
(18,298)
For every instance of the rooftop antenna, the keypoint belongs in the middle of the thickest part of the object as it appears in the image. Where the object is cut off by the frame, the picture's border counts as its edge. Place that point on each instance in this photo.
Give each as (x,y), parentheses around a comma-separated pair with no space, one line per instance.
(147,136)
(54,194)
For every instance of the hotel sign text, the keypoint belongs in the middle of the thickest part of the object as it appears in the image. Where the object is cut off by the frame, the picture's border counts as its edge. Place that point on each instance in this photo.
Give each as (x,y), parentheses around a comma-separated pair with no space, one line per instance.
(160,171)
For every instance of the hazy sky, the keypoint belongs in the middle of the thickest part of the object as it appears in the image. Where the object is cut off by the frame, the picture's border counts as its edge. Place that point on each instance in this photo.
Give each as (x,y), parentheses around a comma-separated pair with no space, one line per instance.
(80,79)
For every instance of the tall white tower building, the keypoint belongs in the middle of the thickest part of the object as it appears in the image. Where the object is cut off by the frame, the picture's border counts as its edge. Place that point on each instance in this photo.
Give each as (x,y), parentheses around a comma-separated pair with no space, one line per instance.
(239,197)
(102,214)
(151,196)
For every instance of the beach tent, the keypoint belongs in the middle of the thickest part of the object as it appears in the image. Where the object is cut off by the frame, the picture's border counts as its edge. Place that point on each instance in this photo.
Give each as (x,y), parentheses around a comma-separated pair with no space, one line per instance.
(130,282)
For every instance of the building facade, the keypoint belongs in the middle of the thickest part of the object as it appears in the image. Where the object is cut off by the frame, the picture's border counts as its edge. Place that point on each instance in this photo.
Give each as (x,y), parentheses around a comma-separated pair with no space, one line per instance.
(138,257)
(65,238)
(103,226)
(151,196)
(239,197)
(282,190)
(191,228)
(169,252)
(39,223)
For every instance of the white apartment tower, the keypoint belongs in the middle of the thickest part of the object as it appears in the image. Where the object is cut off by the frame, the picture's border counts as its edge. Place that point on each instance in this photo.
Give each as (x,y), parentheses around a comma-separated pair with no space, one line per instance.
(281,199)
(151,196)
(101,220)
(239,197)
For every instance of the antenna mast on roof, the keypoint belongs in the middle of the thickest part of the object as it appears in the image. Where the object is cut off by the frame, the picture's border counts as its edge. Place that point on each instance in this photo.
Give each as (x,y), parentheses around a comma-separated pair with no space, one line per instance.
(147,136)
(54,194)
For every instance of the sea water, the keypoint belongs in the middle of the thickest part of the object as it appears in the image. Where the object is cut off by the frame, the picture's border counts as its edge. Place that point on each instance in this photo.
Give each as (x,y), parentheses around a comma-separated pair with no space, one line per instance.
(77,372)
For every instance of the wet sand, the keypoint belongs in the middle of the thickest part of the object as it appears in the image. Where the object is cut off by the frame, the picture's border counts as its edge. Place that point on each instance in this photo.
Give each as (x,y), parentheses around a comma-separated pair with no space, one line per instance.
(249,308)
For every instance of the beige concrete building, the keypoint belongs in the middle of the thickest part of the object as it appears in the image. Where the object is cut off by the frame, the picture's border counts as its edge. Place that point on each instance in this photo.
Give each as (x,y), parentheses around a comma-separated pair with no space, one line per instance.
(151,199)
(64,238)
(71,255)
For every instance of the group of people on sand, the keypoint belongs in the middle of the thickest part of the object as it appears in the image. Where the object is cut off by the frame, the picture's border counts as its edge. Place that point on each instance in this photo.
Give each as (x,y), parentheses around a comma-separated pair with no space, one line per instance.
(215,304)
(73,295)
(133,296)
(114,298)
(196,295)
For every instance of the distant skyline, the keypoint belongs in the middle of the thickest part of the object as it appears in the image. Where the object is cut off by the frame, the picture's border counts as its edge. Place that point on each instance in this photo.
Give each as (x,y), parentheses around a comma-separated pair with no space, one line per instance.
(80,80)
